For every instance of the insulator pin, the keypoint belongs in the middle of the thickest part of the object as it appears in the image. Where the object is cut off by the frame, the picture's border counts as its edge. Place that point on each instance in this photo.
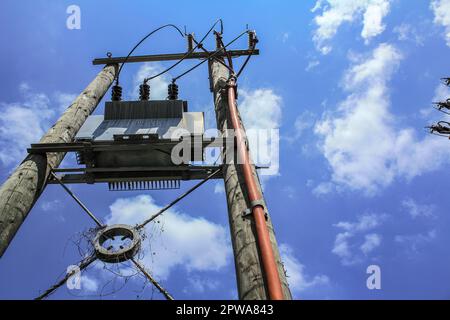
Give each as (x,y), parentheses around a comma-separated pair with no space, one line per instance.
(190,41)
(116,93)
(252,39)
(172,91)
(144,92)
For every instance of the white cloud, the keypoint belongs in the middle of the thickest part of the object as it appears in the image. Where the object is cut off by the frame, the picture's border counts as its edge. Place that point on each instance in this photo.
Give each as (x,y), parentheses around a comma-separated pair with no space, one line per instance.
(322,188)
(260,108)
(298,280)
(290,192)
(261,111)
(361,142)
(334,13)
(201,285)
(442,93)
(178,240)
(312,64)
(407,32)
(22,123)
(416,241)
(371,242)
(354,243)
(64,100)
(441,10)
(416,210)
(158,86)
(88,284)
(219,188)
(365,222)
(51,205)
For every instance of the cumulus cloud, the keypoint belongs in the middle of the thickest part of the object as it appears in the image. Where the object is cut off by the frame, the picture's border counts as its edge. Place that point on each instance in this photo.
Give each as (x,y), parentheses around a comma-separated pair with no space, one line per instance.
(261,111)
(334,13)
(178,240)
(361,140)
(298,280)
(441,10)
(22,123)
(158,86)
(64,100)
(354,243)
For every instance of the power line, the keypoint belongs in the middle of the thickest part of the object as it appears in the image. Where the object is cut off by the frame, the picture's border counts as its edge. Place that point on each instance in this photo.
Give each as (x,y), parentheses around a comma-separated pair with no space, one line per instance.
(211,56)
(187,53)
(142,40)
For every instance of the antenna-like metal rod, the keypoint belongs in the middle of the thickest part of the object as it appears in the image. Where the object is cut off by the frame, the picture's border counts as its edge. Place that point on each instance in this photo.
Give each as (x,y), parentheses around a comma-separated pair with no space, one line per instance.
(153,217)
(152,280)
(81,266)
(90,214)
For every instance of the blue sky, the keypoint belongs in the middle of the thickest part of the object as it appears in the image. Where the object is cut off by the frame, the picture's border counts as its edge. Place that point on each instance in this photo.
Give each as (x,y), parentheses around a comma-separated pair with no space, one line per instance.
(349,84)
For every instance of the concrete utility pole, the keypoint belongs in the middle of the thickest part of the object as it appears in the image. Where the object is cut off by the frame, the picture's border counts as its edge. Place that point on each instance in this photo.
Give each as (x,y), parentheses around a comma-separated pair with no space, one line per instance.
(21,190)
(252,284)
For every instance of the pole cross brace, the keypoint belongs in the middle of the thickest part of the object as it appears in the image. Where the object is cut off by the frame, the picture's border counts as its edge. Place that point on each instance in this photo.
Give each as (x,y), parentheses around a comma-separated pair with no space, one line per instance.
(248,212)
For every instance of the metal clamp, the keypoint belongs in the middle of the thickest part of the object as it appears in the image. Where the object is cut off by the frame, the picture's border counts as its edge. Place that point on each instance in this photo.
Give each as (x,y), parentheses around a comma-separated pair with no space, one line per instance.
(247,212)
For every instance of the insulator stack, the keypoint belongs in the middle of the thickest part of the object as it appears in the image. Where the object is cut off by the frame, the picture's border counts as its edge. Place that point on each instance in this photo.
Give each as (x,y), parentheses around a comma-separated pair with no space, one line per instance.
(252,39)
(173,91)
(190,41)
(116,93)
(143,185)
(144,92)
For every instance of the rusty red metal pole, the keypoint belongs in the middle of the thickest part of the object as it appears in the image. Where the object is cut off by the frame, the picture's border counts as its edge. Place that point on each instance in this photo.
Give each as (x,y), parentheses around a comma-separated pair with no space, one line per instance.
(272,277)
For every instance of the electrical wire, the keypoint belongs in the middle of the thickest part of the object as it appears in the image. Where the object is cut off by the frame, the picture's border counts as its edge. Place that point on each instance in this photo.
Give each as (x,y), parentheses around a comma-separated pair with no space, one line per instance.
(167,207)
(211,56)
(142,40)
(442,111)
(227,54)
(246,60)
(216,59)
(187,53)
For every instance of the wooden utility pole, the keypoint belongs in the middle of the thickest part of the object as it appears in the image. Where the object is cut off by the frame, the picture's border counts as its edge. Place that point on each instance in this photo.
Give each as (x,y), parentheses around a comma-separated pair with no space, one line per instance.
(21,190)
(251,282)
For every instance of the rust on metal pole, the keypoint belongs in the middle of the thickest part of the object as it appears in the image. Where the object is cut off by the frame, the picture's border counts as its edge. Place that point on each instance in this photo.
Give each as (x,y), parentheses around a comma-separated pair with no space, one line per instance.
(24,186)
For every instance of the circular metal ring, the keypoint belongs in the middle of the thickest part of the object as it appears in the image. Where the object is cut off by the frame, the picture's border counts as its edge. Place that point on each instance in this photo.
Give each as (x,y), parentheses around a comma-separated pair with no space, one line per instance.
(126,238)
